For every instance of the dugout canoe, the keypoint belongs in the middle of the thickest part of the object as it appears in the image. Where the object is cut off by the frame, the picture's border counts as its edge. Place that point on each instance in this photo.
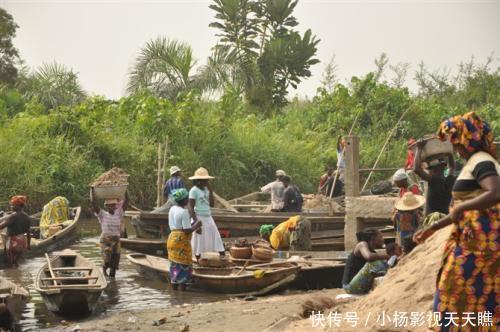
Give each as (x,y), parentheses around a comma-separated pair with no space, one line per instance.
(13,300)
(223,280)
(156,247)
(57,241)
(70,283)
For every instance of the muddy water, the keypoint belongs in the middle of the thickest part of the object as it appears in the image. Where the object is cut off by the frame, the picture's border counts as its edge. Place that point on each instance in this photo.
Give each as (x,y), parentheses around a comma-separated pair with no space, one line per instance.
(129,291)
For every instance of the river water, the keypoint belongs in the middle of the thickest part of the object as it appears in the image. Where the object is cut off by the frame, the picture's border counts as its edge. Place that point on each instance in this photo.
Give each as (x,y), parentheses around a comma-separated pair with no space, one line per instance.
(129,291)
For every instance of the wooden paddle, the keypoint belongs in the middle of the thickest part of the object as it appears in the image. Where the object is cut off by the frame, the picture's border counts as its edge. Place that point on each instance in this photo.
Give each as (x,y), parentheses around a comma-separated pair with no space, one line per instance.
(50,269)
(243,268)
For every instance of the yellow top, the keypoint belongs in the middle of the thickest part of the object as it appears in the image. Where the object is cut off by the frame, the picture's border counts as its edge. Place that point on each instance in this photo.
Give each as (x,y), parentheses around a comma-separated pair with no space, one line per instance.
(54,212)
(280,237)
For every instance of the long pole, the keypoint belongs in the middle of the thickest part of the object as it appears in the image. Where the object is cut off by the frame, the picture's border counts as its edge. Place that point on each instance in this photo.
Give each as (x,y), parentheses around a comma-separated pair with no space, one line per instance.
(384,146)
(158,181)
(165,159)
(343,152)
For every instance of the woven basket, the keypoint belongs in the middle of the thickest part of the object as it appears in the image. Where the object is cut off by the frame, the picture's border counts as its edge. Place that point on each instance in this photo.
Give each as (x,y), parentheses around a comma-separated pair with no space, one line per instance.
(263,254)
(241,252)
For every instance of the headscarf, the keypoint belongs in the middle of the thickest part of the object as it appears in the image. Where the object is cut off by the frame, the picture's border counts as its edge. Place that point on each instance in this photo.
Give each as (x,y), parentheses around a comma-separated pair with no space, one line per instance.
(18,200)
(266,229)
(180,194)
(470,131)
(400,175)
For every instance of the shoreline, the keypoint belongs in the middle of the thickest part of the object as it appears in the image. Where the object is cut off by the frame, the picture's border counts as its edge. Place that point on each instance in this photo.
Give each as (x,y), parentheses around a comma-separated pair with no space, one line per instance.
(270,313)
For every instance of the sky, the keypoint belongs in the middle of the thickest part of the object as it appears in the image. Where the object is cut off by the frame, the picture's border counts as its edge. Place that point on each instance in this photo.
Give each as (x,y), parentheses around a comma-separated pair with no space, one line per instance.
(100,39)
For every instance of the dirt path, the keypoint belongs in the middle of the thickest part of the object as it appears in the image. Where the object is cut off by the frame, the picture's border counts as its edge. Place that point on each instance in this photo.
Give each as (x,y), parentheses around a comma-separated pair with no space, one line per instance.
(228,315)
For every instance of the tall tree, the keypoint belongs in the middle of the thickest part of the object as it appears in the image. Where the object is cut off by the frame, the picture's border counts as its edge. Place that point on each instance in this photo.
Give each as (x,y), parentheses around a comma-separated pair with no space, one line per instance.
(329,78)
(8,53)
(268,51)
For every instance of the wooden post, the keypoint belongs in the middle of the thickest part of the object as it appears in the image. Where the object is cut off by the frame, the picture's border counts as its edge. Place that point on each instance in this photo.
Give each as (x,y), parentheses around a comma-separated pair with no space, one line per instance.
(352,166)
(158,181)
(165,159)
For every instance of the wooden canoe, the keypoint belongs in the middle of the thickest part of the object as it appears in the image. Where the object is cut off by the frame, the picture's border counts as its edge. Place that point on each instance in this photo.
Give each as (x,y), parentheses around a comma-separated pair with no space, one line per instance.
(57,241)
(156,247)
(71,283)
(221,280)
(14,298)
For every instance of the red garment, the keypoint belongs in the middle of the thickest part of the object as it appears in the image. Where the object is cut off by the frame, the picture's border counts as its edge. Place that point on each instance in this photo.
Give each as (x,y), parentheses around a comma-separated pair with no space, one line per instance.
(410,159)
(413,188)
(15,245)
(18,200)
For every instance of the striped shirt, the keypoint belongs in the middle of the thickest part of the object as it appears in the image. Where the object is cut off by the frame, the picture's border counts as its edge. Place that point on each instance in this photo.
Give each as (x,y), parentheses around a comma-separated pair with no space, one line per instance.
(173,183)
(111,223)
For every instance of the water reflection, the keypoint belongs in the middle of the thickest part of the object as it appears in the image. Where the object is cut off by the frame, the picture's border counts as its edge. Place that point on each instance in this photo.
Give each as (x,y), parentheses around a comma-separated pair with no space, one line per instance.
(128,291)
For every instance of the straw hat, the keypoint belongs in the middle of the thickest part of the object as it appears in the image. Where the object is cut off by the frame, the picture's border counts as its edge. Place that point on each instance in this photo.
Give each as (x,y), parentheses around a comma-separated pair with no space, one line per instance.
(409,202)
(201,174)
(174,169)
(280,172)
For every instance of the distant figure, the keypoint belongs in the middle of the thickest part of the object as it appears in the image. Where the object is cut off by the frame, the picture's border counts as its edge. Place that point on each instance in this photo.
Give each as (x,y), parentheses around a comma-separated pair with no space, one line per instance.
(440,186)
(364,263)
(111,220)
(293,234)
(407,218)
(179,241)
(292,197)
(175,182)
(54,214)
(410,155)
(201,199)
(400,180)
(341,157)
(18,230)
(276,188)
(326,183)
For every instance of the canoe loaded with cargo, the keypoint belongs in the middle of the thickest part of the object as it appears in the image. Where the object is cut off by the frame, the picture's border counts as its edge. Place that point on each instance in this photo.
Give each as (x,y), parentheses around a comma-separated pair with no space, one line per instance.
(56,241)
(69,282)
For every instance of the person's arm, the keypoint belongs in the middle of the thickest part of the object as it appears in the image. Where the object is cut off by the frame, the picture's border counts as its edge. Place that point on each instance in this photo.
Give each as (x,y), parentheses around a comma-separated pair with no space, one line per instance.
(451,164)
(191,205)
(368,255)
(267,188)
(418,162)
(490,197)
(287,200)
(6,222)
(211,198)
(95,207)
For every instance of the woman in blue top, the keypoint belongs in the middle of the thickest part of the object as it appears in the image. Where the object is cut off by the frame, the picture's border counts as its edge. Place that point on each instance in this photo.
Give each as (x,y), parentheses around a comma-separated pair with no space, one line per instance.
(201,199)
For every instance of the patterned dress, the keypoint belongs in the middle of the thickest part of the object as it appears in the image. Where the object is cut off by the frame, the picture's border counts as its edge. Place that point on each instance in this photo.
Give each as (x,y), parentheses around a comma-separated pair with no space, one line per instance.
(469,279)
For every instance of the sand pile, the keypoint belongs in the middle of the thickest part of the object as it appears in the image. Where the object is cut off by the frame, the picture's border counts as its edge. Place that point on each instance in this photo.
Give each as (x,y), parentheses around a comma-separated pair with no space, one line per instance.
(115,176)
(409,287)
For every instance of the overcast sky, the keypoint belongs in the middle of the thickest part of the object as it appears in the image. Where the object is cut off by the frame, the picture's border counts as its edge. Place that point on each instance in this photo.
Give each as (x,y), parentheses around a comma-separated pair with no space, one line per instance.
(100,39)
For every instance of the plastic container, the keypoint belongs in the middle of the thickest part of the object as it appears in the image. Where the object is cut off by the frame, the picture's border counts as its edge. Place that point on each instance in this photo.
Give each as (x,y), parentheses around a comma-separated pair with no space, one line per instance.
(434,148)
(111,191)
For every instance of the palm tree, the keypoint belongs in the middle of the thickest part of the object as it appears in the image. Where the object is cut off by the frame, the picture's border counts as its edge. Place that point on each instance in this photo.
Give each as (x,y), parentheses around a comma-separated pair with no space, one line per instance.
(52,85)
(164,67)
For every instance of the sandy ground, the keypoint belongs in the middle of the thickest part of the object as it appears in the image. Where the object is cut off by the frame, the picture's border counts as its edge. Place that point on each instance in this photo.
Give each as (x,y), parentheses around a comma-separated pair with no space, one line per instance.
(273,313)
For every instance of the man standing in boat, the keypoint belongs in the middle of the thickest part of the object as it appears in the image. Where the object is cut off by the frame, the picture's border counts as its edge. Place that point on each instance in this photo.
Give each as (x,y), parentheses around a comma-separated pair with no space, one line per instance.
(277,190)
(111,221)
(18,230)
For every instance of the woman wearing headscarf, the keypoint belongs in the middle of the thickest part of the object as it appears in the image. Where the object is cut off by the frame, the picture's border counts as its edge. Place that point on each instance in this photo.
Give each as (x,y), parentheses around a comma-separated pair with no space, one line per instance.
(293,233)
(468,279)
(201,200)
(179,240)
(18,230)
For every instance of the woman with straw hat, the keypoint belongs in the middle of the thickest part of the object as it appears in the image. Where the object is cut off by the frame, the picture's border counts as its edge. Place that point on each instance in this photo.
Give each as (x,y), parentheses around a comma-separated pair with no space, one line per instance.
(201,199)
(407,219)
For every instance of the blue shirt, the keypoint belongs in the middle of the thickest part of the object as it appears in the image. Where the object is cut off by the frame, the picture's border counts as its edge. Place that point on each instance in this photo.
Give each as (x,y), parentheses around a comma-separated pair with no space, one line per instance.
(173,183)
(201,199)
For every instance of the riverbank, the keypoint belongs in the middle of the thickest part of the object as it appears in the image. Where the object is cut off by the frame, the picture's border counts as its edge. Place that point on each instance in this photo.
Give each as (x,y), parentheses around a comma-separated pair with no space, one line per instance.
(272,312)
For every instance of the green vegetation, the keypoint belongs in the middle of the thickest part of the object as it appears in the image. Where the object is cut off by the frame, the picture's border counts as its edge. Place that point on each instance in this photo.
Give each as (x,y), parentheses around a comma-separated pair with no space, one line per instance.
(55,140)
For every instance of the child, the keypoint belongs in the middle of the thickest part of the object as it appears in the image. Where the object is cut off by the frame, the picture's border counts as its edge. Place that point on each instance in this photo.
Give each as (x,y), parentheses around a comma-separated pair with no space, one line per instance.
(395,251)
(407,217)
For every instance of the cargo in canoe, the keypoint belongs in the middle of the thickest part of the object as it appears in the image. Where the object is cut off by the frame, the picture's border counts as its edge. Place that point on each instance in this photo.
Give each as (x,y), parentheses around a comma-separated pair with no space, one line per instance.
(57,241)
(70,283)
(14,298)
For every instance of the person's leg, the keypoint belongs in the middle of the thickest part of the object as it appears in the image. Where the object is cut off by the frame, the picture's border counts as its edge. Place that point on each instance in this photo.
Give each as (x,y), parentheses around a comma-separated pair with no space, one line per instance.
(363,280)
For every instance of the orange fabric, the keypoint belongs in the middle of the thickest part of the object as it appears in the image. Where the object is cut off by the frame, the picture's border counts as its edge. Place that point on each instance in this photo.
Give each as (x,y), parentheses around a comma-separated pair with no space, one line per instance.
(18,200)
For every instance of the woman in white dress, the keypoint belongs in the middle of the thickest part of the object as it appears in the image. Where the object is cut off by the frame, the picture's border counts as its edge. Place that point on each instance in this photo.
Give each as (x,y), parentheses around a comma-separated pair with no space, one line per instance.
(201,199)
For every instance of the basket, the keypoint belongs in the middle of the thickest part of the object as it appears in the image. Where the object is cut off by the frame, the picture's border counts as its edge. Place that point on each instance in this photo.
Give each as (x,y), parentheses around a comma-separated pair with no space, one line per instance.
(434,148)
(241,252)
(263,254)
(111,191)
